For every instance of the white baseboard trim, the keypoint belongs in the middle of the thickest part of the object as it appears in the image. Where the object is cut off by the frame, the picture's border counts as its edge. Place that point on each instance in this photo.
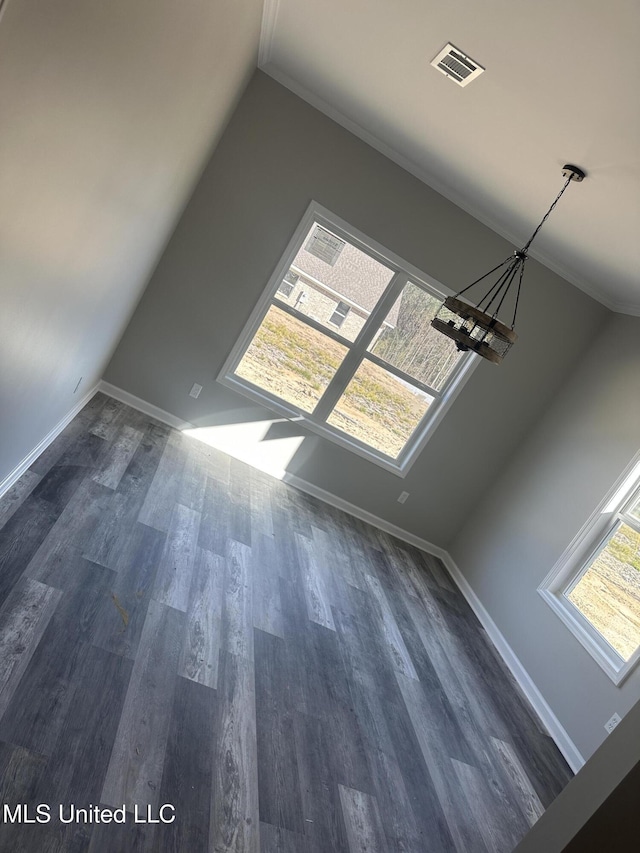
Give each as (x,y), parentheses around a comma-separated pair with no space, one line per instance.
(362,514)
(556,730)
(142,406)
(31,457)
(522,677)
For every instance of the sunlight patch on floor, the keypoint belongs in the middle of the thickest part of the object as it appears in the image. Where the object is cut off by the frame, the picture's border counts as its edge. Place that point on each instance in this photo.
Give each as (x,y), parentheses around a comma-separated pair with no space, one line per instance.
(252,443)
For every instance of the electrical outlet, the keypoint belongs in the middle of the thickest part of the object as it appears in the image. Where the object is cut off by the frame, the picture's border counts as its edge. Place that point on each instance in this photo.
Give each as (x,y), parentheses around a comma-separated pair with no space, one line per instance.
(195,391)
(612,723)
(403,497)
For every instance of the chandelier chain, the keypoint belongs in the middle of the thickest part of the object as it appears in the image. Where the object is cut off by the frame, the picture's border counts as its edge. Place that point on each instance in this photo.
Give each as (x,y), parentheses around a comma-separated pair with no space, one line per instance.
(546,216)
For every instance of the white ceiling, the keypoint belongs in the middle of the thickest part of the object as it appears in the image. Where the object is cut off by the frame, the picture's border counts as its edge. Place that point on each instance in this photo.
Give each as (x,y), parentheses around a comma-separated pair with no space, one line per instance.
(560,86)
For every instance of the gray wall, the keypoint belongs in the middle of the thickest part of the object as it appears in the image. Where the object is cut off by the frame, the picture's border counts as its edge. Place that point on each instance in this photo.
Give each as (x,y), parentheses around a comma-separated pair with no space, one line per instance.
(519,530)
(108,112)
(276,155)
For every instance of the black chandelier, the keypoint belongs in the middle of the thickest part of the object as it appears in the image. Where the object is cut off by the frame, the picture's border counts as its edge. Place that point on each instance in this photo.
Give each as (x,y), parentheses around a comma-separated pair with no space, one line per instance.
(476,327)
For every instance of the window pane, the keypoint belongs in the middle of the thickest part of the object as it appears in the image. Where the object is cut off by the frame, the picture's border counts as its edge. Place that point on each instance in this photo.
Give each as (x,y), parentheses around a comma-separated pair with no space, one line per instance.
(339,315)
(634,512)
(407,340)
(379,409)
(608,593)
(291,360)
(335,278)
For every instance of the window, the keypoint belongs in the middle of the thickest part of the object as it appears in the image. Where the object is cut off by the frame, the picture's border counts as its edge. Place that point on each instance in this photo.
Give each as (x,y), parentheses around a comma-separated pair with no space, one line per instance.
(339,315)
(324,245)
(288,283)
(595,588)
(351,352)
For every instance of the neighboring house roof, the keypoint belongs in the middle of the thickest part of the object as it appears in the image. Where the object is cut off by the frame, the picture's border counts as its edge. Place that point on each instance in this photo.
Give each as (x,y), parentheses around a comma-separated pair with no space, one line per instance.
(358,277)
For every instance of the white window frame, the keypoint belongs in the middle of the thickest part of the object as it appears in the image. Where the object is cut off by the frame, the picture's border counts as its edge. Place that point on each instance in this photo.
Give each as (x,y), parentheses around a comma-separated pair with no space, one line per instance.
(402,273)
(576,561)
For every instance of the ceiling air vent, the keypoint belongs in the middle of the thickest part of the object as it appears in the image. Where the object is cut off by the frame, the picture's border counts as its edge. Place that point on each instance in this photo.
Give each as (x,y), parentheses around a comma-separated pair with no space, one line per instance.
(457,65)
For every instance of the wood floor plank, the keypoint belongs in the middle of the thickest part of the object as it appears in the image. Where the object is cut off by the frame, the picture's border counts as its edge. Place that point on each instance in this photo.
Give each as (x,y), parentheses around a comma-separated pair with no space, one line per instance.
(464,684)
(87,451)
(119,622)
(362,819)
(188,768)
(157,507)
(400,655)
(135,767)
(123,838)
(527,797)
(396,804)
(23,620)
(344,546)
(546,768)
(321,688)
(436,568)
(275,839)
(173,579)
(203,628)
(499,835)
(461,825)
(267,604)
(193,479)
(240,502)
(234,821)
(77,767)
(287,557)
(109,419)
(219,467)
(69,535)
(214,523)
(278,782)
(237,607)
(70,436)
(384,716)
(21,537)
(499,691)
(323,819)
(371,683)
(111,542)
(17,494)
(332,563)
(42,700)
(388,568)
(314,584)
(20,773)
(118,457)
(453,727)
(36,713)
(261,515)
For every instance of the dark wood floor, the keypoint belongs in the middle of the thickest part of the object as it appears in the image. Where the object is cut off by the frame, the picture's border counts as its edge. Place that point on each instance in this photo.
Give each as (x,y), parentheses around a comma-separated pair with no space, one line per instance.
(177,627)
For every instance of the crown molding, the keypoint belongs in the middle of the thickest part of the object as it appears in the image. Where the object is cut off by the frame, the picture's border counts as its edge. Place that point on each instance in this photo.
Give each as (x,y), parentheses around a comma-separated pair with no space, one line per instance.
(265,65)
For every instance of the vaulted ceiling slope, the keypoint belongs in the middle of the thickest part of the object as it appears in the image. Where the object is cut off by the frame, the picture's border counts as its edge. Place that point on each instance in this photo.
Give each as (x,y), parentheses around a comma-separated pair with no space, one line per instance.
(560,86)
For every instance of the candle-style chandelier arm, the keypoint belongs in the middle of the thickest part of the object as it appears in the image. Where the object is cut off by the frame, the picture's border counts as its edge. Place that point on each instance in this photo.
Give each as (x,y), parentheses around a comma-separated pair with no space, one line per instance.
(501,286)
(515,307)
